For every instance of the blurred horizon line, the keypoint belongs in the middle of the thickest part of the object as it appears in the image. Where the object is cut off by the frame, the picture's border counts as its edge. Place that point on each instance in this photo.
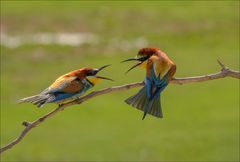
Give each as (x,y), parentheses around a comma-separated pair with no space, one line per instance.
(68,39)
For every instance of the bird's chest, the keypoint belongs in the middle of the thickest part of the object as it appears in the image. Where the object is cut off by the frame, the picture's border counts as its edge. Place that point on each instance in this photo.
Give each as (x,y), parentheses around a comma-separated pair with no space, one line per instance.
(161,67)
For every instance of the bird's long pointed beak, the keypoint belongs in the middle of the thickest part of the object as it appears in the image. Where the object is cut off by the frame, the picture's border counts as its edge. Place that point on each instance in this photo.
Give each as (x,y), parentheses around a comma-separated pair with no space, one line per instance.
(133,59)
(134,66)
(100,77)
(101,68)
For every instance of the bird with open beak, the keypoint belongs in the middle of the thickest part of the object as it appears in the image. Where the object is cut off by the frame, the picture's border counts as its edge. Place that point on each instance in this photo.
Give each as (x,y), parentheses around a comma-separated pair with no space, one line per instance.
(159,71)
(67,87)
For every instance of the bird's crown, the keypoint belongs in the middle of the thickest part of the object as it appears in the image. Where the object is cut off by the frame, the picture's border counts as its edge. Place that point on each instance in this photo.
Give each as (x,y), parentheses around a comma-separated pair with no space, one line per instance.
(147,51)
(88,71)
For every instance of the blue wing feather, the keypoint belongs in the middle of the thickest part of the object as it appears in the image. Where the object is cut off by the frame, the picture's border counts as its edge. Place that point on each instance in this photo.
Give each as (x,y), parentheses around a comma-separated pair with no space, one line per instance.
(61,96)
(154,84)
(148,84)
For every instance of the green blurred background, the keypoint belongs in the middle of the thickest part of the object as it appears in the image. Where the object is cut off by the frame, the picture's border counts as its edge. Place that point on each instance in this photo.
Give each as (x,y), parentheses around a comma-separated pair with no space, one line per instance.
(201,121)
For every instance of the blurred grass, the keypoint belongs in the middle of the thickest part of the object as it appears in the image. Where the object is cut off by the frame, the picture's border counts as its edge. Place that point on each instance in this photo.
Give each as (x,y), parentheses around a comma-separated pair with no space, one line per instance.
(201,121)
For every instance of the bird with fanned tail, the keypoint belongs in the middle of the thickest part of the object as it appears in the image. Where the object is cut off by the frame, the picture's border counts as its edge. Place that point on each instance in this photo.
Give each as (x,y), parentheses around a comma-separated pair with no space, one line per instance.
(159,71)
(67,87)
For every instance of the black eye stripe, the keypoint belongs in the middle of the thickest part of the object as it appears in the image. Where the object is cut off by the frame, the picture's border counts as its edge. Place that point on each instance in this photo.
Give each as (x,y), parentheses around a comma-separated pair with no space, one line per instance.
(92,72)
(143,58)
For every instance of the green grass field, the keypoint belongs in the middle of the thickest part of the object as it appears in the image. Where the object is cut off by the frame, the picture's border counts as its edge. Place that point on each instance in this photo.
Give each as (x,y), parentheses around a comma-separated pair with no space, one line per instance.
(201,121)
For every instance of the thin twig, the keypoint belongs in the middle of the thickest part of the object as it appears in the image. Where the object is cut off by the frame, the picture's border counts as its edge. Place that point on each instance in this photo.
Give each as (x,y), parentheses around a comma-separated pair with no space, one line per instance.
(225,72)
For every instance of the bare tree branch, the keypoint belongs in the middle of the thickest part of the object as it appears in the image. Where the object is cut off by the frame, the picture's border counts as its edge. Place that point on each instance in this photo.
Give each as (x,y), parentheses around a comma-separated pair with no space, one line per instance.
(225,72)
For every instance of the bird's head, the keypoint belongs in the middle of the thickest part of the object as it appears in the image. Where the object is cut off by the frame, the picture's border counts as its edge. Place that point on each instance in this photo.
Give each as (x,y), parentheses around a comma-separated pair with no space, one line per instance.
(142,56)
(91,74)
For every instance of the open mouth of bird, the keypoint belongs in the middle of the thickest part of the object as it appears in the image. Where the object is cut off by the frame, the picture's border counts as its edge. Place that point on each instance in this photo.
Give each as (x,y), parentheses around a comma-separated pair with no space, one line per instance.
(140,60)
(101,77)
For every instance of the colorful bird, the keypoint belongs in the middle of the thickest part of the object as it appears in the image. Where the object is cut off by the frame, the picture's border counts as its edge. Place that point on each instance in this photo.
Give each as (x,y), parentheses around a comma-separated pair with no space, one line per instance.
(67,87)
(159,71)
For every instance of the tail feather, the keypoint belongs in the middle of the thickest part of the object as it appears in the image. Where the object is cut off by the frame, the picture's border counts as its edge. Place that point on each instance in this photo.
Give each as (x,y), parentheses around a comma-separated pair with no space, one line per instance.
(156,107)
(141,101)
(40,104)
(38,100)
(148,106)
(27,99)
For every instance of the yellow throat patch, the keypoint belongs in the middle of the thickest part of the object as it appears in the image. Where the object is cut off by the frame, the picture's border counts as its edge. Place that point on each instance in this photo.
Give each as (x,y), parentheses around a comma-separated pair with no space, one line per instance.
(93,80)
(144,64)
